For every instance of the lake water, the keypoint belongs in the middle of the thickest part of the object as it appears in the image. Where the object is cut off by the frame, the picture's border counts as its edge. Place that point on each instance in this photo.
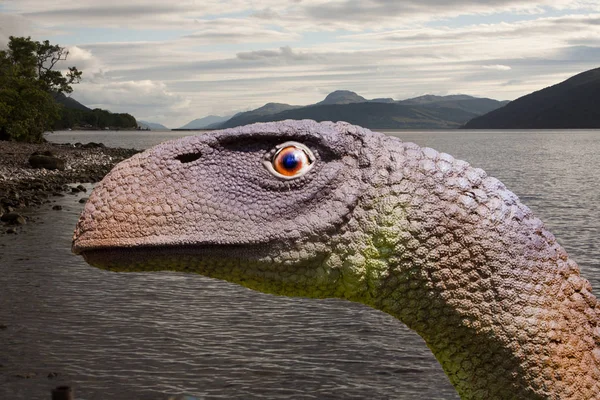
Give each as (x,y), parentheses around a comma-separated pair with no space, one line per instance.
(151,336)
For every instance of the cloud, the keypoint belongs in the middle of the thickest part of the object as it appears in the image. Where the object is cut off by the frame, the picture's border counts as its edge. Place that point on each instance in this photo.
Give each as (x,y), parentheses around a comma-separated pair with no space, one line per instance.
(354,14)
(564,27)
(128,94)
(144,99)
(85,61)
(16,25)
(108,14)
(294,16)
(512,82)
(266,13)
(228,30)
(95,11)
(497,67)
(132,14)
(285,54)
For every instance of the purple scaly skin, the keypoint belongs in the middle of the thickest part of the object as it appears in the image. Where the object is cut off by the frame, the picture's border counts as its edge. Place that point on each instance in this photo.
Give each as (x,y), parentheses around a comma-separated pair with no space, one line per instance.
(407,230)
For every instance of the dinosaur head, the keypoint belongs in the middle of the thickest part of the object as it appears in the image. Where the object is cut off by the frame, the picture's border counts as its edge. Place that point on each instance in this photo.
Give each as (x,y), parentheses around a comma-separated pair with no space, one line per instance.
(257,205)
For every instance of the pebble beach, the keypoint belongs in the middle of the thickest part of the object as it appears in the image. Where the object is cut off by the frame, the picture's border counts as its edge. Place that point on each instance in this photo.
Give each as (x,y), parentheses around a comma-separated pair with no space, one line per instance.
(23,184)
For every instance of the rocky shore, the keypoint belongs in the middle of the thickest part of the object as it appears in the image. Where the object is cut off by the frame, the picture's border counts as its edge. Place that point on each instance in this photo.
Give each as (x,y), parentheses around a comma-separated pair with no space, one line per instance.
(31,174)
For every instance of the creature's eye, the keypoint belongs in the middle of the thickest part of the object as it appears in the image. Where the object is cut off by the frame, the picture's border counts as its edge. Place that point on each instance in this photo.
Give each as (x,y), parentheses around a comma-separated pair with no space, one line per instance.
(290,160)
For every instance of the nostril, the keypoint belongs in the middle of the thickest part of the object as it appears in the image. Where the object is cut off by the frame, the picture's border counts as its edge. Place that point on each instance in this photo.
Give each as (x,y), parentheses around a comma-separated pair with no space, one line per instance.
(188,157)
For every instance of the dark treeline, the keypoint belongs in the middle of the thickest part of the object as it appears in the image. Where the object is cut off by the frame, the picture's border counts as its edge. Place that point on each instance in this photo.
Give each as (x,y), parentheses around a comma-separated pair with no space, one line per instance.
(93,119)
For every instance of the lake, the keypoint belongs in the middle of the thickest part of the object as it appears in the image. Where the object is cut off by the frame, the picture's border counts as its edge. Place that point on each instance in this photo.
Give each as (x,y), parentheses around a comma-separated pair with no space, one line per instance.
(151,336)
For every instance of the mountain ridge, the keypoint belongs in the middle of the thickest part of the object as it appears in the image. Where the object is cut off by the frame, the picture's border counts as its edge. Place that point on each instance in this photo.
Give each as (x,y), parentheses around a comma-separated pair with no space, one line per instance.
(424,112)
(342,97)
(72,111)
(204,122)
(570,104)
(153,126)
(69,102)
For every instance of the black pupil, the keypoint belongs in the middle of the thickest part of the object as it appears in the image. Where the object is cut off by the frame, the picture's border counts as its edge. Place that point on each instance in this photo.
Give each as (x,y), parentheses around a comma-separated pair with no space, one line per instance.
(291,160)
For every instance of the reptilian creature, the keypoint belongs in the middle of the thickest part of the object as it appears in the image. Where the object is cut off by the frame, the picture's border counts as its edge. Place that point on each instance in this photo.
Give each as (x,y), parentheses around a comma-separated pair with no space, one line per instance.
(300,208)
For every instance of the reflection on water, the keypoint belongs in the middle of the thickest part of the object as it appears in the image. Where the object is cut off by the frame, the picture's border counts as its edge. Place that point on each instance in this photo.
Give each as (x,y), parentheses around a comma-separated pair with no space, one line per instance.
(151,336)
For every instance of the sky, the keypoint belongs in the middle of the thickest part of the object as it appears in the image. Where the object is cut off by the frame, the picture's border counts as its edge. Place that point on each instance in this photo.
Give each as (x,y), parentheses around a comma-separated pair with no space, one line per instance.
(172,62)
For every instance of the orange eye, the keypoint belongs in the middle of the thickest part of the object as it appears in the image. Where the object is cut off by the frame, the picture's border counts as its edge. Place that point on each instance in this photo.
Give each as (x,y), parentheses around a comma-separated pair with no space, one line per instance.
(291,160)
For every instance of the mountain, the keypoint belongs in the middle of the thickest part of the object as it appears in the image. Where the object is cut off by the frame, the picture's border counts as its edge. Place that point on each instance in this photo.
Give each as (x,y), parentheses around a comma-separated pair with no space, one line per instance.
(377,115)
(382,100)
(75,115)
(202,123)
(153,126)
(342,97)
(249,117)
(430,98)
(70,117)
(476,105)
(426,112)
(571,104)
(69,102)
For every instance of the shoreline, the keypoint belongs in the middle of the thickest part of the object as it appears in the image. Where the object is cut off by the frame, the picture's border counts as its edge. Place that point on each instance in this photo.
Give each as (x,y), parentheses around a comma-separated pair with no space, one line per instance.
(23,186)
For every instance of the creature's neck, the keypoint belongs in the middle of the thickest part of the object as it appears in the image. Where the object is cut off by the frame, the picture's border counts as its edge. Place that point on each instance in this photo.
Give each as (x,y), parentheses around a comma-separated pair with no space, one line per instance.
(510,351)
(503,322)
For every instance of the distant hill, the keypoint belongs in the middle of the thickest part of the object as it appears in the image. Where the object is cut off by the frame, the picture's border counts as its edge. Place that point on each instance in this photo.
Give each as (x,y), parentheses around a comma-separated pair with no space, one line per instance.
(382,100)
(69,102)
(73,114)
(476,105)
(342,97)
(153,126)
(571,104)
(202,123)
(426,112)
(430,98)
(260,113)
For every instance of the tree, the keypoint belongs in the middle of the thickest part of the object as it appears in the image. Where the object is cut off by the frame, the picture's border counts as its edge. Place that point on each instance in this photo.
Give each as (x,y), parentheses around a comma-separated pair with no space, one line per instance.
(27,81)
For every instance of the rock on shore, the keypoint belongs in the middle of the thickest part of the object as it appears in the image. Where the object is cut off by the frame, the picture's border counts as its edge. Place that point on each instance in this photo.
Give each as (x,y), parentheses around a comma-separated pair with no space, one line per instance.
(27,181)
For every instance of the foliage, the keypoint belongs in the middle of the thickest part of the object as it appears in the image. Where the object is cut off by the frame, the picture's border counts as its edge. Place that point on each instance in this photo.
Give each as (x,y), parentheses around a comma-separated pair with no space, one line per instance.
(96,118)
(27,81)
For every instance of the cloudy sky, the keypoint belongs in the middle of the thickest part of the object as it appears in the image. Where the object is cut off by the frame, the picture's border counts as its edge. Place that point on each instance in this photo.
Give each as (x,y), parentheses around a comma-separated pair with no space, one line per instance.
(171,62)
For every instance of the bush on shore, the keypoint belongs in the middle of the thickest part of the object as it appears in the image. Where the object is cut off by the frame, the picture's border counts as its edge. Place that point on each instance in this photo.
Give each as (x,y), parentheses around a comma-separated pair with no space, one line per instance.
(27,81)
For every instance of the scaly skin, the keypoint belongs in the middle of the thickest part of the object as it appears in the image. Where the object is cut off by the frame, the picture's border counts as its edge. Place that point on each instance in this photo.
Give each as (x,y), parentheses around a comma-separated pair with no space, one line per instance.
(424,237)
